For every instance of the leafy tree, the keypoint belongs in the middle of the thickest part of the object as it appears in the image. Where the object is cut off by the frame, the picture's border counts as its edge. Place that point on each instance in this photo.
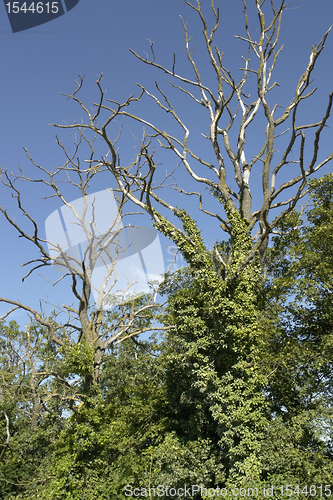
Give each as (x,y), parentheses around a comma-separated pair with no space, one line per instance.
(104,448)
(30,428)
(300,356)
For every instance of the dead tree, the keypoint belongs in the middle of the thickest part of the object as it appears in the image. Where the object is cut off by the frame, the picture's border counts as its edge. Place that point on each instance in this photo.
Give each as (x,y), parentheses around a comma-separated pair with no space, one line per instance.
(83,246)
(232,109)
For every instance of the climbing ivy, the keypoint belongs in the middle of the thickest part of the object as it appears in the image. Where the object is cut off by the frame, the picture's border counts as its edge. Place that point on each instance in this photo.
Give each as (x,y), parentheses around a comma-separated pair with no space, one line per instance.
(212,356)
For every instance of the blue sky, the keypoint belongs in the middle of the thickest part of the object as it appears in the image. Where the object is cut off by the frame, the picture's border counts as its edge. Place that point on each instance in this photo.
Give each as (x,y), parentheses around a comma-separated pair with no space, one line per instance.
(94,38)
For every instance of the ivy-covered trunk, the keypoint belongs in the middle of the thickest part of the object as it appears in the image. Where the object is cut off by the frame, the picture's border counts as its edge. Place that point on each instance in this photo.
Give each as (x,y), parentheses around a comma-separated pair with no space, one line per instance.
(213,354)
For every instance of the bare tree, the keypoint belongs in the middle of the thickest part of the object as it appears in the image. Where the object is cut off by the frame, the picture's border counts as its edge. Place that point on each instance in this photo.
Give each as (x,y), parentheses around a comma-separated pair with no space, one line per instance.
(231,111)
(86,249)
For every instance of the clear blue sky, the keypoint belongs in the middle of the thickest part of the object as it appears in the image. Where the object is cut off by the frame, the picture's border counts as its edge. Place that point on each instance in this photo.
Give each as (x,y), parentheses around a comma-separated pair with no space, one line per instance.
(95,38)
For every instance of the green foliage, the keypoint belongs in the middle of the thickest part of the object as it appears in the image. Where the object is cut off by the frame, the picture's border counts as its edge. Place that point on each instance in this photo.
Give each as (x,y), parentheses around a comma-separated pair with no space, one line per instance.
(176,462)
(300,318)
(77,358)
(236,393)
(211,357)
(101,449)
